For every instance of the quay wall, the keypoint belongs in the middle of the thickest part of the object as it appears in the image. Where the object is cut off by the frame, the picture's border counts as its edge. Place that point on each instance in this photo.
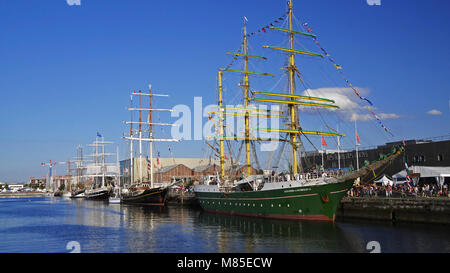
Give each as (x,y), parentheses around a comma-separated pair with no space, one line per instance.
(418,210)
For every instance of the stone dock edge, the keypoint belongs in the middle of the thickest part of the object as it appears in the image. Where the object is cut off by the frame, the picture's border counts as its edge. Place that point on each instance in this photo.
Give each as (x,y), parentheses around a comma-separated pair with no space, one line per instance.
(413,210)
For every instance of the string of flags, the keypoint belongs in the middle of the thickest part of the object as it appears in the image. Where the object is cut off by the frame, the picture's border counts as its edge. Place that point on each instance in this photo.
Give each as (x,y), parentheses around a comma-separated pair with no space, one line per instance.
(267,27)
(263,30)
(234,58)
(339,70)
(408,177)
(379,120)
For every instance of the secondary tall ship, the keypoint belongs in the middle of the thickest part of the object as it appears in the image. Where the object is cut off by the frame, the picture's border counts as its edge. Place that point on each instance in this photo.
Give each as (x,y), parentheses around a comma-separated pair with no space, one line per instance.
(102,175)
(141,188)
(293,195)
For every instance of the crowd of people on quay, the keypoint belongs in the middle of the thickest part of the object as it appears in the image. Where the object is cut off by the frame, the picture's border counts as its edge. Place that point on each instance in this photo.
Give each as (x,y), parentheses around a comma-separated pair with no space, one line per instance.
(402,190)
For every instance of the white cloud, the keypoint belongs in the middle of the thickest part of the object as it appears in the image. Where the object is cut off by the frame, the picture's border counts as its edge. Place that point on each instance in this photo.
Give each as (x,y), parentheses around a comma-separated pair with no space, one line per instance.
(388,116)
(434,112)
(351,108)
(73,2)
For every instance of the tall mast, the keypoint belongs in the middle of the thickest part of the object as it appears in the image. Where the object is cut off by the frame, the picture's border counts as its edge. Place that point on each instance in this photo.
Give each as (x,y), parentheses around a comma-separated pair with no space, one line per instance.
(293,100)
(78,166)
(241,111)
(246,100)
(96,161)
(150,129)
(69,178)
(131,144)
(150,138)
(291,108)
(103,162)
(140,138)
(221,117)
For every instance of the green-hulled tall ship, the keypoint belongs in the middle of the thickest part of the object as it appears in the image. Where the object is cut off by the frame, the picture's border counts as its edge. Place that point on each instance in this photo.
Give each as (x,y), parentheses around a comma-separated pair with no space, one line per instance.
(294,196)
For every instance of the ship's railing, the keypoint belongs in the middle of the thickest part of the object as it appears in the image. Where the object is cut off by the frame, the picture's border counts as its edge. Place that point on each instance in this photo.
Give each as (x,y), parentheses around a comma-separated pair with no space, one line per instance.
(286,177)
(305,176)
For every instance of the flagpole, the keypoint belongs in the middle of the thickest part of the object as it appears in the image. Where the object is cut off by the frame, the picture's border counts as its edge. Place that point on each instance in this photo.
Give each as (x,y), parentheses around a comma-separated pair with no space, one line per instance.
(356,144)
(323,151)
(339,149)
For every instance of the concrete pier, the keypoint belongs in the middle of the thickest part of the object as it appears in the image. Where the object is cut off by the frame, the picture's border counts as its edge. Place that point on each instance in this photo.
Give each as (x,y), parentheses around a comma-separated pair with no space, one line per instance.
(418,210)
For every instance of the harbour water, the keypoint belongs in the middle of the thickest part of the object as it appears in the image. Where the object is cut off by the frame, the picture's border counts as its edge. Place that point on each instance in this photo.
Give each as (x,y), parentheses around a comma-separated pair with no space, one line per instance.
(57,225)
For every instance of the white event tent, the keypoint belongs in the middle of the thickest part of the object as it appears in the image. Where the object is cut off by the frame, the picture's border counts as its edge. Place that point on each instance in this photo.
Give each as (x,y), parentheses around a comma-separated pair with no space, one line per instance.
(385,181)
(439,173)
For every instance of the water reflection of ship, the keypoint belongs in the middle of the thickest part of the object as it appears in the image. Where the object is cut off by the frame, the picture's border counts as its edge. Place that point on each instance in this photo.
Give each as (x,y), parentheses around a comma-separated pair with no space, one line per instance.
(141,217)
(299,236)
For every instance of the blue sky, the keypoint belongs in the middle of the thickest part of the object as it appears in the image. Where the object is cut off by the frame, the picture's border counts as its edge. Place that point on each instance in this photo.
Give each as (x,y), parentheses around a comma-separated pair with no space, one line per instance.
(66,71)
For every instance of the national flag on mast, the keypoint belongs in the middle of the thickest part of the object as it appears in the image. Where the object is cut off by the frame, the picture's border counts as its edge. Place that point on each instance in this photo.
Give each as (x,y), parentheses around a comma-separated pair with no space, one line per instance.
(357,138)
(323,142)
(149,165)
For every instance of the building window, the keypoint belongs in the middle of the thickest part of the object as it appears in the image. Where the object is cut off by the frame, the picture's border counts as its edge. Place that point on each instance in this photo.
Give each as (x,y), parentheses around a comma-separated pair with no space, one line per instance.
(440,157)
(422,158)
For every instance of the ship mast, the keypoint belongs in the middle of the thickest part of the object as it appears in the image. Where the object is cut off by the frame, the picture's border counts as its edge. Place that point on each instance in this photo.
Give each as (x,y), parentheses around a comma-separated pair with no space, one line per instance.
(246,100)
(293,100)
(69,177)
(131,144)
(140,139)
(150,133)
(221,133)
(291,108)
(246,114)
(150,138)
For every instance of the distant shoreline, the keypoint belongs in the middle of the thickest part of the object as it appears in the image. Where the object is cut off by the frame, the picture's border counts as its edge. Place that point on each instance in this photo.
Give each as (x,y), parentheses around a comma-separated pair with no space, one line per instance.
(22,194)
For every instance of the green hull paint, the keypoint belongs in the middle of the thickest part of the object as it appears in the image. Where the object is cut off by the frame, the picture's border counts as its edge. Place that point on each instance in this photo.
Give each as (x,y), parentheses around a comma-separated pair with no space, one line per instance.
(318,202)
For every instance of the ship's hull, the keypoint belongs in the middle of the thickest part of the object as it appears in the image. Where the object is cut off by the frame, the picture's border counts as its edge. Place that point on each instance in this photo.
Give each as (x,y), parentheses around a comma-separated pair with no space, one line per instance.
(57,194)
(154,196)
(317,202)
(78,194)
(97,194)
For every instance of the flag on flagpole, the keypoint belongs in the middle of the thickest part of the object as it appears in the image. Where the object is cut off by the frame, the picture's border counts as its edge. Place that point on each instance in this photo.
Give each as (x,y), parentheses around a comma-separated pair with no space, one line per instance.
(357,138)
(323,142)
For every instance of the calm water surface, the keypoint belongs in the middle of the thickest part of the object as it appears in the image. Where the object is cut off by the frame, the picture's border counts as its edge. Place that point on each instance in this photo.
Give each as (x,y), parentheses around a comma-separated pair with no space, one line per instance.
(47,224)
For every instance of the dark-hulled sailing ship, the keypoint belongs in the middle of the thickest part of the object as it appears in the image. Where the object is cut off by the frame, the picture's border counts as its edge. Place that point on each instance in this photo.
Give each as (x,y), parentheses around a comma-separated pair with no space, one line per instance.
(141,189)
(100,172)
